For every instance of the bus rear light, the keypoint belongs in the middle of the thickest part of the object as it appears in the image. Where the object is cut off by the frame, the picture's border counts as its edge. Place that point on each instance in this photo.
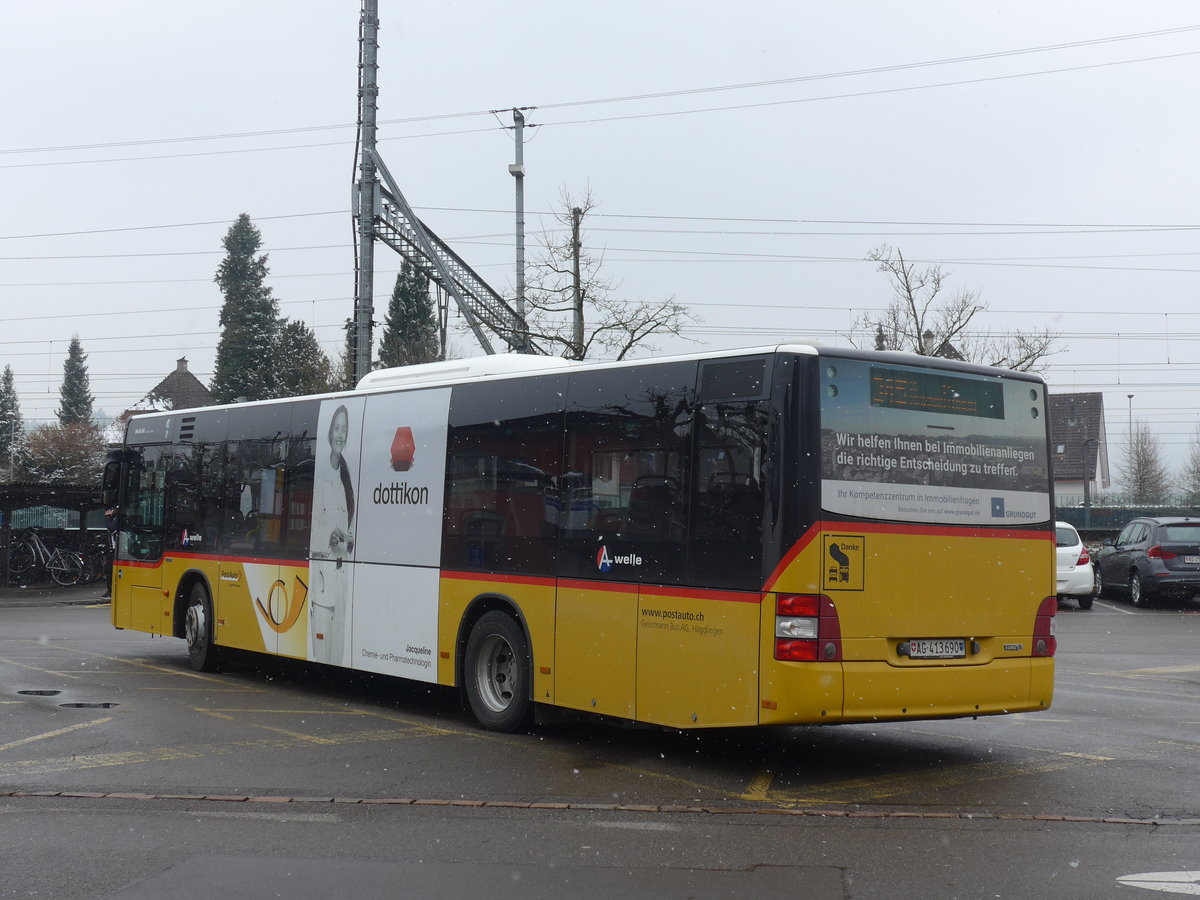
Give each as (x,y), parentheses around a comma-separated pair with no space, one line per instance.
(807,629)
(796,628)
(1044,641)
(1157,552)
(796,651)
(798,605)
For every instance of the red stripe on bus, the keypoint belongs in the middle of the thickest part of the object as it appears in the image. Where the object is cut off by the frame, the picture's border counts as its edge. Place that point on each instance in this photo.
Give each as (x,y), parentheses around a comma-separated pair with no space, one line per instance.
(534,580)
(213,557)
(706,594)
(615,587)
(612,587)
(132,564)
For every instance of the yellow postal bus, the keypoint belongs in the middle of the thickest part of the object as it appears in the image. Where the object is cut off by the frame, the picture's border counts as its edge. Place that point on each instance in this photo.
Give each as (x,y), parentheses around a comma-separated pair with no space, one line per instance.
(787,535)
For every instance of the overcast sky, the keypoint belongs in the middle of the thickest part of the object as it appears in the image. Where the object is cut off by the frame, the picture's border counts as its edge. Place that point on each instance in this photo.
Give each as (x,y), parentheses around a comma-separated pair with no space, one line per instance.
(745,160)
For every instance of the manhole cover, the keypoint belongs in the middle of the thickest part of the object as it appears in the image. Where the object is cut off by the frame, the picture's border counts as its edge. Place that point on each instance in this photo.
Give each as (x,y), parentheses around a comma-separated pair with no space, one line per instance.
(87,705)
(39,693)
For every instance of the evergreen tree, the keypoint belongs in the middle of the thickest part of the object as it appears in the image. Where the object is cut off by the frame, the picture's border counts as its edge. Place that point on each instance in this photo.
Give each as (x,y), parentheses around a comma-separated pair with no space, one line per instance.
(75,393)
(410,331)
(301,366)
(343,366)
(11,425)
(72,453)
(249,319)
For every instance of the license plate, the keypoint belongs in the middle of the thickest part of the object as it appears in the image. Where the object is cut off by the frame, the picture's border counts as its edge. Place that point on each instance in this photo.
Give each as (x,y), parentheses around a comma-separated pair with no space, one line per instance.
(938,648)
(1191,560)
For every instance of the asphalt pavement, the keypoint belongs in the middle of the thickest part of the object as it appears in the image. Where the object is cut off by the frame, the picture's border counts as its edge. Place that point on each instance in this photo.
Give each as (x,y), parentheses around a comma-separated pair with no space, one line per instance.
(46,593)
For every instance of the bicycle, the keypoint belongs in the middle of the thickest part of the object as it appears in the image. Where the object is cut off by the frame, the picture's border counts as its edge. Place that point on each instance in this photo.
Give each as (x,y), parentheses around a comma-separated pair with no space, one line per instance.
(31,558)
(97,561)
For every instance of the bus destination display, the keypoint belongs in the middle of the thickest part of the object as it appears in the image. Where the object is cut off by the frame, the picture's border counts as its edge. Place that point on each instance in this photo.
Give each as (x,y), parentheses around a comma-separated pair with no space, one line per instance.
(936,392)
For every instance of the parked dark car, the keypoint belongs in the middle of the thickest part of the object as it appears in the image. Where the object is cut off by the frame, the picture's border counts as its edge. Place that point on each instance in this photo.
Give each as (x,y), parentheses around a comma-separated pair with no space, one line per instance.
(1151,559)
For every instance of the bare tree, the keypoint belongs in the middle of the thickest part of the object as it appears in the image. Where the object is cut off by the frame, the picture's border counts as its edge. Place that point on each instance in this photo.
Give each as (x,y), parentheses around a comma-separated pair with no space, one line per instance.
(1144,473)
(1189,475)
(924,318)
(571,308)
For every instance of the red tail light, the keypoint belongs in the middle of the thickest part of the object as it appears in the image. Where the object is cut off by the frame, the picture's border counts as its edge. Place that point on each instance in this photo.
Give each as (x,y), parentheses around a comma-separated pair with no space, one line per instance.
(1084,559)
(807,629)
(1157,552)
(1044,641)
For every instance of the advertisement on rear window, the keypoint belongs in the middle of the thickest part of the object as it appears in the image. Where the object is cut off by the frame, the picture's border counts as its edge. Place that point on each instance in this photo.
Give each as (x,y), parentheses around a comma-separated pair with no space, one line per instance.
(908,444)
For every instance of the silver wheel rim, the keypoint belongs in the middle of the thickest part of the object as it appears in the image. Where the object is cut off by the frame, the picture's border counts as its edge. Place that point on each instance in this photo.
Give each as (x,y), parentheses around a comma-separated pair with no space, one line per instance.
(1135,590)
(496,673)
(194,624)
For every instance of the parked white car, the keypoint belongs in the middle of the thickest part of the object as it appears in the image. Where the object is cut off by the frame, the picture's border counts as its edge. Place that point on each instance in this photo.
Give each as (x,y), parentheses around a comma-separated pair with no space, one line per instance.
(1075,578)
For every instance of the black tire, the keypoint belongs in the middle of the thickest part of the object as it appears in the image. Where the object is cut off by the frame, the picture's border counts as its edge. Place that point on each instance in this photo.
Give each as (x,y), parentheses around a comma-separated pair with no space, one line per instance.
(1085,601)
(497,673)
(65,567)
(198,631)
(21,559)
(1138,595)
(1097,583)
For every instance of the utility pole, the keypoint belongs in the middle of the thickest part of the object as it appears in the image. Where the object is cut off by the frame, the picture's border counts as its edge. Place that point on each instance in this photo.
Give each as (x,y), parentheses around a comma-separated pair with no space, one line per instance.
(367,198)
(381,213)
(517,170)
(577,331)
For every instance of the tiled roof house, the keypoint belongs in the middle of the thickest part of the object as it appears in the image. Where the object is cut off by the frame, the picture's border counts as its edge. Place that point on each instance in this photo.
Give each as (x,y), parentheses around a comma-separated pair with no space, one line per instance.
(1078,443)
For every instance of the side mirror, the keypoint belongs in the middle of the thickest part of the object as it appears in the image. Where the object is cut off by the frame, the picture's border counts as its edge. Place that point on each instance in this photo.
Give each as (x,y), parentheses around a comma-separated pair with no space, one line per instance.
(110,486)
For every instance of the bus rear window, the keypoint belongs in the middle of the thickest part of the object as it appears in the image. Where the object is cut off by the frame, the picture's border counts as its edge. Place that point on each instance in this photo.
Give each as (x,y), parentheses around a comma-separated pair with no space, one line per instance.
(912,444)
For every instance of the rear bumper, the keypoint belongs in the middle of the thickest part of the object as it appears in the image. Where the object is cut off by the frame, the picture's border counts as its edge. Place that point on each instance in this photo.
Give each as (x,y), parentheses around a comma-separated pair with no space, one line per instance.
(1176,584)
(877,691)
(1077,581)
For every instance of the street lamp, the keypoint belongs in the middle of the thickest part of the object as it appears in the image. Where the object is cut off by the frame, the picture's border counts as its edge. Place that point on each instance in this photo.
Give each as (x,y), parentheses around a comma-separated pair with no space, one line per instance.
(1130,450)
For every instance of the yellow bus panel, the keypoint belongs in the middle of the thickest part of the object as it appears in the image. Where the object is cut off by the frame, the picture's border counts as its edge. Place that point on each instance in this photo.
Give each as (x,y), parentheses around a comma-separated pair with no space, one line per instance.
(696,657)
(595,654)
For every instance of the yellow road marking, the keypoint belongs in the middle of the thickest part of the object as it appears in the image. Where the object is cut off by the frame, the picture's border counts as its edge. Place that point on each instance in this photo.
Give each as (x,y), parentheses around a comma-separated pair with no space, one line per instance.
(51,734)
(29,767)
(296,735)
(140,664)
(759,785)
(20,665)
(1150,673)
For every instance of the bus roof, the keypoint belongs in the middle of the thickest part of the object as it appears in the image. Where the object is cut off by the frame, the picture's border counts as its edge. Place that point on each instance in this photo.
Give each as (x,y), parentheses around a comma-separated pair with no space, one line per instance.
(515,364)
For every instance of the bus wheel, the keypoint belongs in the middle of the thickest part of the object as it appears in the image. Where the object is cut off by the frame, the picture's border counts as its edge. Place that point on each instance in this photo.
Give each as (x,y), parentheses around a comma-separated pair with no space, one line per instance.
(497,673)
(198,629)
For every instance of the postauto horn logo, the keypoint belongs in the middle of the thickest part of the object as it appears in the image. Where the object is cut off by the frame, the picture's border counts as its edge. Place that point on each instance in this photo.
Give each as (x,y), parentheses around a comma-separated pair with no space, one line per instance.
(604,562)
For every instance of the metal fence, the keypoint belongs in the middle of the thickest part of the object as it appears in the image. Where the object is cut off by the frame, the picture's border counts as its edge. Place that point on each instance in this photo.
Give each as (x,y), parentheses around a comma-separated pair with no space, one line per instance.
(54,517)
(1111,513)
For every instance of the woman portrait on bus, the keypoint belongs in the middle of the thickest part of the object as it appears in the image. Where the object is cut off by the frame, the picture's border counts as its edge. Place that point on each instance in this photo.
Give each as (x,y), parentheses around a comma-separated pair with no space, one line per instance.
(332,542)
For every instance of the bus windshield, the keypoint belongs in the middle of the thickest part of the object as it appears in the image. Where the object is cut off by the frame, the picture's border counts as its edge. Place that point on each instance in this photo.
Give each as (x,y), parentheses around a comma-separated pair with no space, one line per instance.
(924,445)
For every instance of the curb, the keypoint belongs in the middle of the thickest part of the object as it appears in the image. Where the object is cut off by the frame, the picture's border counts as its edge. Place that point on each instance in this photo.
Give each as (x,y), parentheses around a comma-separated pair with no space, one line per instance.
(617,807)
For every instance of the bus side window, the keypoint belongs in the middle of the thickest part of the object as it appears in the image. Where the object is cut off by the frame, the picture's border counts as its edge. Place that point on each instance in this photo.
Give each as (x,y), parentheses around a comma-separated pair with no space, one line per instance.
(726,533)
(628,446)
(504,457)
